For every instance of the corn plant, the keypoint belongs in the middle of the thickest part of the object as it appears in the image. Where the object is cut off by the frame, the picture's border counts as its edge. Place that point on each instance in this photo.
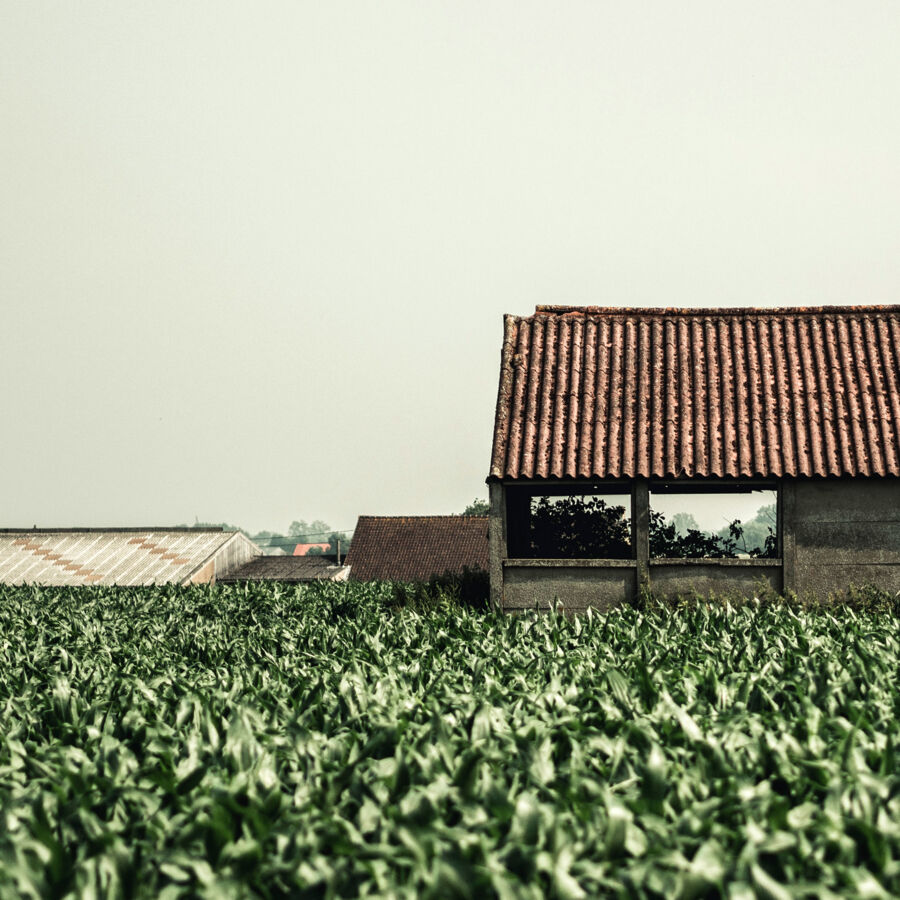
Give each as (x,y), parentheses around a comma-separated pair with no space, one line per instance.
(263,741)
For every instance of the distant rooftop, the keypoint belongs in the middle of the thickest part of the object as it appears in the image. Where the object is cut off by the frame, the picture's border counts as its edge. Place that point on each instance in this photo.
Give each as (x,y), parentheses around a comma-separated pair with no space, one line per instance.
(303,549)
(113,530)
(413,548)
(287,569)
(122,556)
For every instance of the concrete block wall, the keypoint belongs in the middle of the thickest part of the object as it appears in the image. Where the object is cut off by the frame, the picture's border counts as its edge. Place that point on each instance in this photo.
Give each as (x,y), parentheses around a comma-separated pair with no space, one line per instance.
(845,532)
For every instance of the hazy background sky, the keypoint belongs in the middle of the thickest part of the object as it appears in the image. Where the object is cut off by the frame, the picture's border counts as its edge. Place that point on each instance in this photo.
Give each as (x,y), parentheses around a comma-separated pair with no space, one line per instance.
(254,256)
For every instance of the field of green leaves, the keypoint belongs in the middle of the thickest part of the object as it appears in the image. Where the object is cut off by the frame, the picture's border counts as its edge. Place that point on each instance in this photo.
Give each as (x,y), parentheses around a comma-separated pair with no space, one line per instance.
(314,742)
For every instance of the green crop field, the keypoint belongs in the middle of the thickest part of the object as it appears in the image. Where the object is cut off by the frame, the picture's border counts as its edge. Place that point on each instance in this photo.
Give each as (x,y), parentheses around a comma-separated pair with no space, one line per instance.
(273,742)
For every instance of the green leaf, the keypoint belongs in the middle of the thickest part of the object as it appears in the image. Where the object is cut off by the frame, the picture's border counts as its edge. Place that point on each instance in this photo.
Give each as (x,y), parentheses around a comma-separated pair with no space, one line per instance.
(767,887)
(542,769)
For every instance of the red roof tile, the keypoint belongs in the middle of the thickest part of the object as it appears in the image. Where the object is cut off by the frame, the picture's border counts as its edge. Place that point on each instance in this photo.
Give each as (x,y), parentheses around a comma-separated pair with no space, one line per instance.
(413,548)
(590,392)
(303,549)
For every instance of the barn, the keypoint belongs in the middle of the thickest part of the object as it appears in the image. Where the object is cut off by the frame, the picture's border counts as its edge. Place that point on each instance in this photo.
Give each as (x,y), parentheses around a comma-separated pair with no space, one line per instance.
(416,548)
(617,431)
(122,556)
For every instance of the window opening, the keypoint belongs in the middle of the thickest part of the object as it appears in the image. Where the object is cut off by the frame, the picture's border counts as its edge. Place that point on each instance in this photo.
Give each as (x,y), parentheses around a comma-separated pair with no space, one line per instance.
(704,522)
(591,525)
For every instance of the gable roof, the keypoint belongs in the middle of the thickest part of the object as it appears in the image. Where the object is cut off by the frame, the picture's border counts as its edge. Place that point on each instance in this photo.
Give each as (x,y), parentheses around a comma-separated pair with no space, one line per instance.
(592,392)
(287,568)
(413,548)
(123,556)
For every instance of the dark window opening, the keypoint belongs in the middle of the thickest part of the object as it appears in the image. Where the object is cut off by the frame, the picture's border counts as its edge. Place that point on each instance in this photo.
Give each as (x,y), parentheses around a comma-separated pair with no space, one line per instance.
(704,522)
(595,524)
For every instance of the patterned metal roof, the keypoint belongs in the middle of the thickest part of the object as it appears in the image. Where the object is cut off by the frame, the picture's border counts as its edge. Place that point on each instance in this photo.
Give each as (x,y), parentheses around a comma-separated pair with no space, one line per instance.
(123,557)
(413,548)
(590,392)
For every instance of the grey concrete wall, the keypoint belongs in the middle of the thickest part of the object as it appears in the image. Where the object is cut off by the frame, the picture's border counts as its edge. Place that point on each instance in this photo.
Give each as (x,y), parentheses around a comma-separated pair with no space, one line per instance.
(845,532)
(722,577)
(530,585)
(496,542)
(837,533)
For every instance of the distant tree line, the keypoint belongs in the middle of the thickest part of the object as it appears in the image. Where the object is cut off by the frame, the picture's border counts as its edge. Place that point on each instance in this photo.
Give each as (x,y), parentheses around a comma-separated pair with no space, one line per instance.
(299,532)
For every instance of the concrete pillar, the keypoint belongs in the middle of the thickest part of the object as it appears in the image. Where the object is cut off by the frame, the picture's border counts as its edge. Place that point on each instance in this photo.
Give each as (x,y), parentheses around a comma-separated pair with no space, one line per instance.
(640,519)
(787,506)
(497,542)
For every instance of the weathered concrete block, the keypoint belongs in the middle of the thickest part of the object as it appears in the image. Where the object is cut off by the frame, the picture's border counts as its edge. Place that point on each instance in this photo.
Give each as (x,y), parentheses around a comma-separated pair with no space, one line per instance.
(669,580)
(846,532)
(529,587)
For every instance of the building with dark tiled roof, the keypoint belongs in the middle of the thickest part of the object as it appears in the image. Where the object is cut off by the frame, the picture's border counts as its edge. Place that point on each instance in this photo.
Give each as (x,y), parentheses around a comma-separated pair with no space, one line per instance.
(606,409)
(415,548)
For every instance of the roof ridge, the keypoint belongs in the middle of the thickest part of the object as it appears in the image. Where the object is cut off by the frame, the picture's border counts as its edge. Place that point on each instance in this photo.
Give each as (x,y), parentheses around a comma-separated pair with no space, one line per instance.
(550,309)
(419,518)
(186,529)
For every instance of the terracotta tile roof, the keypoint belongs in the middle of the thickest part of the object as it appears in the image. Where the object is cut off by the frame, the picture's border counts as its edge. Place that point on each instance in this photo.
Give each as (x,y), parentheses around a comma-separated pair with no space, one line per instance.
(590,392)
(413,548)
(287,568)
(303,549)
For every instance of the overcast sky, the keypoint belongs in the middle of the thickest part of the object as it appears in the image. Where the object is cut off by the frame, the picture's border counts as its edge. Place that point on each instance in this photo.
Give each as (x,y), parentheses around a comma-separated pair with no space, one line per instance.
(254,256)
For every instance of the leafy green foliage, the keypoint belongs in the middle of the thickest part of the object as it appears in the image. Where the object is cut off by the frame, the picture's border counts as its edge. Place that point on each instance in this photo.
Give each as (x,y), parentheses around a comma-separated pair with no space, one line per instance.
(337,543)
(308,532)
(757,532)
(260,741)
(667,541)
(579,527)
(471,587)
(477,507)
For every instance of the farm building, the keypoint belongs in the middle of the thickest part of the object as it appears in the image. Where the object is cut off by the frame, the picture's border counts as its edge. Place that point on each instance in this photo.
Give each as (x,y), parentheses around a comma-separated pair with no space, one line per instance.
(618,430)
(287,569)
(123,556)
(414,548)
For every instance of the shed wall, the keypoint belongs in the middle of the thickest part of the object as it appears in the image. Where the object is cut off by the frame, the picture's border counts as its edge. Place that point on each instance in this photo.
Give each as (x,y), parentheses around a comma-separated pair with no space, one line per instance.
(686,577)
(837,533)
(574,587)
(846,532)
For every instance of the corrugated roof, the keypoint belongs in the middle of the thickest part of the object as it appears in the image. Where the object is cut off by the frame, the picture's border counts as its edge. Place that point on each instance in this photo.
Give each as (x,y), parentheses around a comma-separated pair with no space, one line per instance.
(591,392)
(120,556)
(287,568)
(413,548)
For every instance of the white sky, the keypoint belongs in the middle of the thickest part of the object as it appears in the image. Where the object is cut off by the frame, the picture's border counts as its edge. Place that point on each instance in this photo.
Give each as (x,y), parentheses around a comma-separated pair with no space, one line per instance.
(714,512)
(254,257)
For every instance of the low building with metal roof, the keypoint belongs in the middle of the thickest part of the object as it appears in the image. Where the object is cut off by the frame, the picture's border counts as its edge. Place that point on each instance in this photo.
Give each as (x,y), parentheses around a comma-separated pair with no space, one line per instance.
(603,408)
(415,548)
(288,569)
(121,556)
